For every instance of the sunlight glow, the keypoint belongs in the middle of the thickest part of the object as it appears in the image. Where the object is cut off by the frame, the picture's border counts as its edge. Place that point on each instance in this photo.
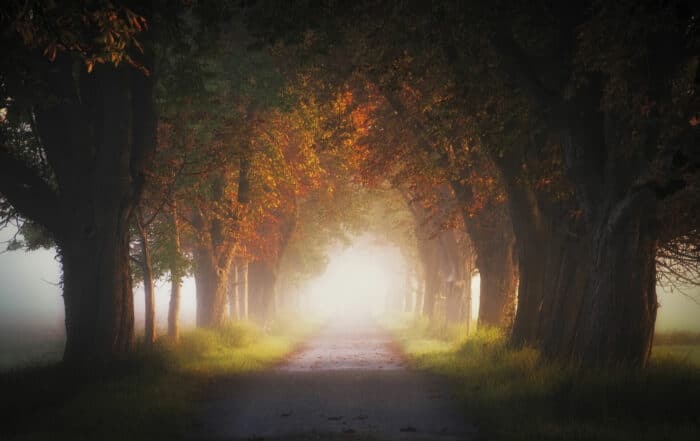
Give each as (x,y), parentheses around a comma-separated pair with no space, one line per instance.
(359,280)
(476,293)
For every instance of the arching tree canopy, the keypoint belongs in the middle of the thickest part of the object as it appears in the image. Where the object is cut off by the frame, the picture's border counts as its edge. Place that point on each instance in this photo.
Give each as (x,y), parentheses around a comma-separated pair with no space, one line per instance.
(552,147)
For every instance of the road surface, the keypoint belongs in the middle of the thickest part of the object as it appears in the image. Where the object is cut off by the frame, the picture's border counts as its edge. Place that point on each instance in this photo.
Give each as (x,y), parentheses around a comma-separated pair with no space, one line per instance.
(348,382)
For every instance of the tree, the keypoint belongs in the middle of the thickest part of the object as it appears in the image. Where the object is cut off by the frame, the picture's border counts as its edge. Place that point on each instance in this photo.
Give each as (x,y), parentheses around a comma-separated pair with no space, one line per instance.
(579,77)
(95,134)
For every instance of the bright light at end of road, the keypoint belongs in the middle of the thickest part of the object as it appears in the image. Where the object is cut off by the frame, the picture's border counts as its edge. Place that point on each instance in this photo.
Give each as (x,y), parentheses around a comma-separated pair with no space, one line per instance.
(358,281)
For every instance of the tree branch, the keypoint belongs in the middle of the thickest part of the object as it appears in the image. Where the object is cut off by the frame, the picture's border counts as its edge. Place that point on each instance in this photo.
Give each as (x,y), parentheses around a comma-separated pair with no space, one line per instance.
(27,192)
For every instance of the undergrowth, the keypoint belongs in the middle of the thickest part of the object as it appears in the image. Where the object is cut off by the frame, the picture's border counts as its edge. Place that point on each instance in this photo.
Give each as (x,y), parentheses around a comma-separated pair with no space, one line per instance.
(516,395)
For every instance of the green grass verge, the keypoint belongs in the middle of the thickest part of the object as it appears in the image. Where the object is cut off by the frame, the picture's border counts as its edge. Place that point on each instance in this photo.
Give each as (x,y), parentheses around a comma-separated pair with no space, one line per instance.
(153,395)
(515,395)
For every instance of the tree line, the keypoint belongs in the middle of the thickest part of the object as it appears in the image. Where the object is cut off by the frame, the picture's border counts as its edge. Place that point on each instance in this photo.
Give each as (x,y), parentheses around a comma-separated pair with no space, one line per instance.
(552,147)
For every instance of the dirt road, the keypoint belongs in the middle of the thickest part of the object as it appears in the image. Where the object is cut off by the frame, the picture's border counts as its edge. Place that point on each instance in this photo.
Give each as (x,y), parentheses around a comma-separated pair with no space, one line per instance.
(348,382)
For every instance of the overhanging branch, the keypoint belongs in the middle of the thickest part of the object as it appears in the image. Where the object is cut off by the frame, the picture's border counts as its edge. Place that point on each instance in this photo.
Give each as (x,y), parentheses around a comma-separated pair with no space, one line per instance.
(30,195)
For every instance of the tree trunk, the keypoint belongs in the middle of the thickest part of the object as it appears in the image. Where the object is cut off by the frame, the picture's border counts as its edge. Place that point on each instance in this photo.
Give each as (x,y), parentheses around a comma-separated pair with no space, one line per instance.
(454,300)
(148,289)
(98,295)
(244,287)
(552,280)
(175,279)
(453,248)
(620,301)
(261,279)
(212,286)
(408,294)
(533,271)
(234,294)
(420,292)
(97,133)
(499,277)
(97,147)
(465,309)
(213,255)
(432,287)
(174,309)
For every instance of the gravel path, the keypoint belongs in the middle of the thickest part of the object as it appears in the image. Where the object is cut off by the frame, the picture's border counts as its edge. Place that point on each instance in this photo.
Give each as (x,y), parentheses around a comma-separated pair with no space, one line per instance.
(348,382)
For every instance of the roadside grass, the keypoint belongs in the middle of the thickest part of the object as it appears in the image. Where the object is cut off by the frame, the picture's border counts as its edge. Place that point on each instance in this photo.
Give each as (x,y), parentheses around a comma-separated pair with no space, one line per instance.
(678,345)
(152,395)
(515,395)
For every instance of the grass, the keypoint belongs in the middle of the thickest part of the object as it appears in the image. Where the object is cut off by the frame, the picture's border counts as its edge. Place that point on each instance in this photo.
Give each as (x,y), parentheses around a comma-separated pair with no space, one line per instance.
(151,396)
(515,395)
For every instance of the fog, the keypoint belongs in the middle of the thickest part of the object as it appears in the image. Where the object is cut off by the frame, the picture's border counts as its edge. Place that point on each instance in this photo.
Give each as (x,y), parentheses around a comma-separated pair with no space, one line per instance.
(358,280)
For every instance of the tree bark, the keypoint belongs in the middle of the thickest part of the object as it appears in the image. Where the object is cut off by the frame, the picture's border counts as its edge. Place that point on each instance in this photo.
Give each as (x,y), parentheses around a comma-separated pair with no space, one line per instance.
(97,134)
(552,279)
(497,266)
(244,288)
(212,286)
(620,304)
(98,296)
(432,287)
(174,309)
(465,309)
(175,280)
(261,280)
(408,302)
(420,294)
(148,288)
(234,294)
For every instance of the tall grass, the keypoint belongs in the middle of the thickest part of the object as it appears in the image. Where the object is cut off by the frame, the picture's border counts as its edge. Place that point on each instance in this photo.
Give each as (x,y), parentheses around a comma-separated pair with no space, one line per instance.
(516,395)
(152,395)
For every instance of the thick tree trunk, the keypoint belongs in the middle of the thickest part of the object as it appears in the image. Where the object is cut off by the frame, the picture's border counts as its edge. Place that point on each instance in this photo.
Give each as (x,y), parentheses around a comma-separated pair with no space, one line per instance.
(533,271)
(551,260)
(620,304)
(97,134)
(496,261)
(552,250)
(212,287)
(98,295)
(97,147)
(618,203)
(587,287)
(552,280)
(148,285)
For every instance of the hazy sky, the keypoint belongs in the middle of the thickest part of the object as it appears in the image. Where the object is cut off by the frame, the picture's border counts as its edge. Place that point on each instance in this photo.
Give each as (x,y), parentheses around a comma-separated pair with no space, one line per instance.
(29,295)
